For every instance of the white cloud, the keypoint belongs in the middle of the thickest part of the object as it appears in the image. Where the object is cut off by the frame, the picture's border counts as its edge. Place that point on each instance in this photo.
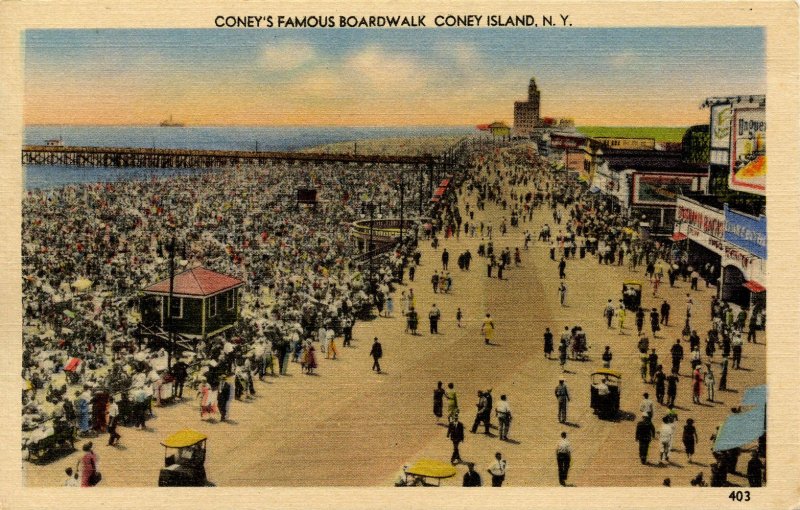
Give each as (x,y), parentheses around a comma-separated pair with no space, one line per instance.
(288,55)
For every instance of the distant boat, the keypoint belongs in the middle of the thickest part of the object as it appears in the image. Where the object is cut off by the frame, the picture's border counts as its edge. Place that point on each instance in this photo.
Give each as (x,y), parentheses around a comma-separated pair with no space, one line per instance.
(54,142)
(169,123)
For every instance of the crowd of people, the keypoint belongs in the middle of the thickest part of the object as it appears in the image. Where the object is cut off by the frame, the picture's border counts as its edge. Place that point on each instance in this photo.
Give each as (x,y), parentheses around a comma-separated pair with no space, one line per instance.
(88,251)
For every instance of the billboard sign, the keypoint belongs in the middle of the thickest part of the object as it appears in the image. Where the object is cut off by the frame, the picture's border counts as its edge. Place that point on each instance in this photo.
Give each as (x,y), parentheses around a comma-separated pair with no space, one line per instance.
(746,232)
(566,141)
(613,142)
(748,165)
(661,189)
(721,126)
(701,224)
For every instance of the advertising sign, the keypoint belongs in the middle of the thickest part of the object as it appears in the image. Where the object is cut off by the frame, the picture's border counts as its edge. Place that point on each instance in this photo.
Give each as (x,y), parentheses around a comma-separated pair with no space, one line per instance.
(565,141)
(661,189)
(627,143)
(721,127)
(748,168)
(746,232)
(701,224)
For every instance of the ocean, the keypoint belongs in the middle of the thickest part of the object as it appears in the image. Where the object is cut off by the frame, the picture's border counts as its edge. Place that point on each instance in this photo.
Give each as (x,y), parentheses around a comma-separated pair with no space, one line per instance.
(212,138)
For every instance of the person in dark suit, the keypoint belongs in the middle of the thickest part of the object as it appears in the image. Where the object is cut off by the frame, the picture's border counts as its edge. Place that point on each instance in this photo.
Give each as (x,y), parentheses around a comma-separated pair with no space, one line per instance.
(179,372)
(471,477)
(455,431)
(645,432)
(754,468)
(377,353)
(223,397)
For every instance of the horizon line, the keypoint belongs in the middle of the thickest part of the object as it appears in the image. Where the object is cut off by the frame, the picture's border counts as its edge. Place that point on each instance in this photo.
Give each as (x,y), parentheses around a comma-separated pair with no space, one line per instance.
(365,126)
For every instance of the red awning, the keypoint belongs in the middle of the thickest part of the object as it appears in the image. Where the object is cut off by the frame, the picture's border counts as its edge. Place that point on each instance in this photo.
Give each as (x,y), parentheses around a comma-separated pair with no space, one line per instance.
(439,192)
(677,236)
(754,286)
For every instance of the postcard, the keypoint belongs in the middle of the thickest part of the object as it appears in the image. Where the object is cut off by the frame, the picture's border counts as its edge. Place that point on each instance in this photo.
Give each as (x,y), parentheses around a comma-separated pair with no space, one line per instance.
(312,254)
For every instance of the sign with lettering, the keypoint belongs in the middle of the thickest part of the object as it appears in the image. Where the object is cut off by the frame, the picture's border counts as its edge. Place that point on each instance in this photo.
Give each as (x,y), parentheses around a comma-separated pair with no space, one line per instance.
(748,167)
(566,141)
(661,189)
(746,232)
(721,127)
(701,224)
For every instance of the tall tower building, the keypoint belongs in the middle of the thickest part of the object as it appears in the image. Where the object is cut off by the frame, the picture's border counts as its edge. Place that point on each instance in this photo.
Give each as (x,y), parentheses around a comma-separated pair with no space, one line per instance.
(526,113)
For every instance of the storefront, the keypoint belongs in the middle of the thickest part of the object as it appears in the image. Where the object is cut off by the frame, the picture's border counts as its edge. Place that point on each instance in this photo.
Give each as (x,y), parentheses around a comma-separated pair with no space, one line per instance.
(700,229)
(744,259)
(654,196)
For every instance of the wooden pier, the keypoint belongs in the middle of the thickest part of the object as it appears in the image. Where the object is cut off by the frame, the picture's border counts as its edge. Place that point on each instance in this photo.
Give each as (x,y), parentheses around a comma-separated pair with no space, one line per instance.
(126,157)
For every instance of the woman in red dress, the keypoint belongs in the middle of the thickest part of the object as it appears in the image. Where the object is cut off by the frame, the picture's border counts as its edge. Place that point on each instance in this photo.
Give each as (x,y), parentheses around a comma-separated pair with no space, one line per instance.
(87,466)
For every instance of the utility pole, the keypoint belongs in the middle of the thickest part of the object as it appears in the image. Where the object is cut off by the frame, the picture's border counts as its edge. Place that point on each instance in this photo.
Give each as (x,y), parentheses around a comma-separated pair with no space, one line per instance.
(402,218)
(371,243)
(420,190)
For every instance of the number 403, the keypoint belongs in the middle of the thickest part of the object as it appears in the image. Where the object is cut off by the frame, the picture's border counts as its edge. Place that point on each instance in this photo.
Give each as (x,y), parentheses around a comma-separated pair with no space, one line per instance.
(739,496)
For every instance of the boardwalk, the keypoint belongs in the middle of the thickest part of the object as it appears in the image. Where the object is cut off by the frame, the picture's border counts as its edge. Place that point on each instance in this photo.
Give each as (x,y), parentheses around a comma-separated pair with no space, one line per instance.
(350,426)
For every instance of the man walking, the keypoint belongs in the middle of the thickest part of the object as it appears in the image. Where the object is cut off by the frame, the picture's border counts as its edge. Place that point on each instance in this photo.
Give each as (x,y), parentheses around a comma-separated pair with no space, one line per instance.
(484,413)
(646,407)
(503,412)
(433,316)
(223,398)
(608,313)
(562,395)
(445,259)
(677,356)
(562,294)
(710,382)
(723,377)
(652,362)
(548,342)
(672,389)
(113,418)
(498,470)
(377,353)
(435,282)
(665,313)
(645,432)
(455,431)
(660,379)
(654,322)
(563,458)
(561,268)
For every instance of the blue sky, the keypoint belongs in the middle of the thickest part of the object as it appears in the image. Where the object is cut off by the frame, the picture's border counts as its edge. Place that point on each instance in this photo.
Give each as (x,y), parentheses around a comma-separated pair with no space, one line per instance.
(648,76)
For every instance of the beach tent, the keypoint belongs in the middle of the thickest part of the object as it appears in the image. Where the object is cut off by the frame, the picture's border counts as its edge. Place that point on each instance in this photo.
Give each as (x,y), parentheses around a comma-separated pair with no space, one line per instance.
(755,396)
(740,429)
(743,428)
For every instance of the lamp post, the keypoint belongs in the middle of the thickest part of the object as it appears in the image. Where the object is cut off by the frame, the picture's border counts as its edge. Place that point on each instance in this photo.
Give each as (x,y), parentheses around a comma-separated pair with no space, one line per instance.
(371,246)
(171,338)
(402,218)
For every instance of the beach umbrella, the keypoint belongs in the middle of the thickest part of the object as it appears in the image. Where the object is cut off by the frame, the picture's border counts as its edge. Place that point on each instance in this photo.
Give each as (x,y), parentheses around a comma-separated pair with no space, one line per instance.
(72,365)
(70,314)
(81,284)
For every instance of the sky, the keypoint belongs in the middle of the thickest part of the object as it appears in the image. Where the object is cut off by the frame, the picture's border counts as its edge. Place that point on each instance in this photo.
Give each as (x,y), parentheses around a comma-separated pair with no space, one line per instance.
(385,77)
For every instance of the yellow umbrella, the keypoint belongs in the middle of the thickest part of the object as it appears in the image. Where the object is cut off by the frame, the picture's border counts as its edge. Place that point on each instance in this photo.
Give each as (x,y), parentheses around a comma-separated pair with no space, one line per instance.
(81,284)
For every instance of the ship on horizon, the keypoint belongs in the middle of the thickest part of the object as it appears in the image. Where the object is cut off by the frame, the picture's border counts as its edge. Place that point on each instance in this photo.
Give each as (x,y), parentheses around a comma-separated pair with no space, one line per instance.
(170,123)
